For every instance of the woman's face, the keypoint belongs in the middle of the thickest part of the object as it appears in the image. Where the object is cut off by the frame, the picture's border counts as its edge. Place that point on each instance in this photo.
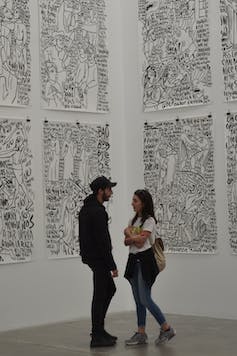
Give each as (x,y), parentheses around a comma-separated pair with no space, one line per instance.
(137,204)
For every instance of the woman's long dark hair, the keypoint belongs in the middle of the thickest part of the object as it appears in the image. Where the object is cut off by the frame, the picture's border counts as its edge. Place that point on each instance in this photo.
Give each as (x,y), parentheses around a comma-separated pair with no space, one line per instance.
(148,206)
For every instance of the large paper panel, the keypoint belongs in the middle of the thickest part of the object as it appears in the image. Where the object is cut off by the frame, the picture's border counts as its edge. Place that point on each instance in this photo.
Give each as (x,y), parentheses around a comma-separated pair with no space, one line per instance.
(74,154)
(16,196)
(175,53)
(179,173)
(74,55)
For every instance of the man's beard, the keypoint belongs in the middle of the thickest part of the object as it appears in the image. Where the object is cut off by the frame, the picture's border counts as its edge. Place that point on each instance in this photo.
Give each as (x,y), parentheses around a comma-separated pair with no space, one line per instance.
(105,197)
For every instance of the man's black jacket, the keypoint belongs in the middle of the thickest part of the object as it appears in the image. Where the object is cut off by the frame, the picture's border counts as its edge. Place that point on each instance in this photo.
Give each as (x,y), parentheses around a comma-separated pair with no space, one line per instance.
(94,237)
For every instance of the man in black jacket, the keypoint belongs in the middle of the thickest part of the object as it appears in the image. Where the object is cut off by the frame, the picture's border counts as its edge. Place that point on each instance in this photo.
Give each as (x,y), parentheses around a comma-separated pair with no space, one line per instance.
(96,252)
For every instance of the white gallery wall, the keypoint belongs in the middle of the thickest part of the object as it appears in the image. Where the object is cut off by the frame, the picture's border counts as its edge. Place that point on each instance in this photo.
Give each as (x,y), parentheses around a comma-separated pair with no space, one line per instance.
(45,291)
(192,284)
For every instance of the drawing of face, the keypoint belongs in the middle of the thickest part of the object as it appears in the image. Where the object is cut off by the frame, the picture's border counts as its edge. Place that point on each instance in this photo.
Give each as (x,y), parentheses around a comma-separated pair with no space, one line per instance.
(52,71)
(82,53)
(68,135)
(151,73)
(7,13)
(3,3)
(91,55)
(19,142)
(173,72)
(192,188)
(152,5)
(187,131)
(53,134)
(60,41)
(17,14)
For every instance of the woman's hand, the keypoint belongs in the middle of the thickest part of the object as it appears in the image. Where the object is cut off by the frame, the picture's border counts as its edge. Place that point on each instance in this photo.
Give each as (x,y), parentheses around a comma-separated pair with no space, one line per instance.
(128,231)
(137,240)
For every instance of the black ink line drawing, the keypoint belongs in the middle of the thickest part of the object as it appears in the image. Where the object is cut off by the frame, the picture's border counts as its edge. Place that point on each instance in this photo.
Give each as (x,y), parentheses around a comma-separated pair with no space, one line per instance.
(231,155)
(228,10)
(74,55)
(175,53)
(16,196)
(15,60)
(74,154)
(179,173)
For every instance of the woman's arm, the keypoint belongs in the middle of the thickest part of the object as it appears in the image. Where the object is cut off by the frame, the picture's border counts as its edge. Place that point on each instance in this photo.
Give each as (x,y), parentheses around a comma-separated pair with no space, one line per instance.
(129,238)
(137,240)
(141,239)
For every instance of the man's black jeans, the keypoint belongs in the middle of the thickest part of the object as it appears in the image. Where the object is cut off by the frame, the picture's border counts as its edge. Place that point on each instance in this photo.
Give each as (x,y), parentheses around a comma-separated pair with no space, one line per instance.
(104,290)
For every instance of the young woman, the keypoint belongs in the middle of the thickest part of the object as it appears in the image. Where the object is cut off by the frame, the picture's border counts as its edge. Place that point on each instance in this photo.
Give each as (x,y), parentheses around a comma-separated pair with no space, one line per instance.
(141,270)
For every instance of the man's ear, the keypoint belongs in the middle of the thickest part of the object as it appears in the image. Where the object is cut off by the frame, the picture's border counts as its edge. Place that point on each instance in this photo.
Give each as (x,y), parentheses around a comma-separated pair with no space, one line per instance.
(100,191)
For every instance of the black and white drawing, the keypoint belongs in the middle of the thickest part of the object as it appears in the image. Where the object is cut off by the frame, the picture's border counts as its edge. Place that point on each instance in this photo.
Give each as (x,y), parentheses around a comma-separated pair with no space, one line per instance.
(74,154)
(179,173)
(16,196)
(74,55)
(15,60)
(228,10)
(231,155)
(175,53)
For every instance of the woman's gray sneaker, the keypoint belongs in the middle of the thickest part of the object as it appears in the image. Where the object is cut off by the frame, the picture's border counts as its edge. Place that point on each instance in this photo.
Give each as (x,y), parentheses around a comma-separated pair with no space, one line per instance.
(165,336)
(137,339)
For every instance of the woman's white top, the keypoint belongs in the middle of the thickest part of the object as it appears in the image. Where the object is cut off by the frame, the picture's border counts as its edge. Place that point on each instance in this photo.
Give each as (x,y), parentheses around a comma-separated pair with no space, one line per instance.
(149,225)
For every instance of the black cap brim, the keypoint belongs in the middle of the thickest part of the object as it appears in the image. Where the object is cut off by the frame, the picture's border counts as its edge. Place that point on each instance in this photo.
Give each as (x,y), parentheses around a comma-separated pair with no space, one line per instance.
(113,184)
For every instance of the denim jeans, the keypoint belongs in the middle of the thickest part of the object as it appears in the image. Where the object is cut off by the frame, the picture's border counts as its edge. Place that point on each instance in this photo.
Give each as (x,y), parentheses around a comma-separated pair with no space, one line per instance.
(143,300)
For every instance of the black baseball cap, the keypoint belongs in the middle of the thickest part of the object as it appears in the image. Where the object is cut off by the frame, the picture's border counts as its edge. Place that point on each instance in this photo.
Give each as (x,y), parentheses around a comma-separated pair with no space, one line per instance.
(101,183)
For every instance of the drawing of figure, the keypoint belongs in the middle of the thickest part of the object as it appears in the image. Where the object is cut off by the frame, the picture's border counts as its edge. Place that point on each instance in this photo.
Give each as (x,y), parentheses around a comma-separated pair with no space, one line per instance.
(7,191)
(3,73)
(150,39)
(7,27)
(172,77)
(67,224)
(89,26)
(165,162)
(193,194)
(53,89)
(171,165)
(5,203)
(8,80)
(201,219)
(68,152)
(233,189)
(92,79)
(187,144)
(184,233)
(57,53)
(234,192)
(85,174)
(54,157)
(151,88)
(16,155)
(199,158)
(70,13)
(81,78)
(20,39)
(186,42)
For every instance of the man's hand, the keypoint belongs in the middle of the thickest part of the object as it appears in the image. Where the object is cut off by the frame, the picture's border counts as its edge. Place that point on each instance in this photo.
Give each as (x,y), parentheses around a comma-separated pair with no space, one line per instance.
(114,273)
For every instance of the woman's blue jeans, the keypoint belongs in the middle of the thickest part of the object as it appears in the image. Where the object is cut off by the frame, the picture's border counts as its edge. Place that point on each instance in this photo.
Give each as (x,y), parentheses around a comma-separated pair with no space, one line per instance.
(143,300)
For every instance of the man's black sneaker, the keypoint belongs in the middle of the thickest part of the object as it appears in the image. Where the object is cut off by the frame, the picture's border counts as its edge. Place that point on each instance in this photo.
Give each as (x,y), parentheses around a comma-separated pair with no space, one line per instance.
(101,341)
(106,334)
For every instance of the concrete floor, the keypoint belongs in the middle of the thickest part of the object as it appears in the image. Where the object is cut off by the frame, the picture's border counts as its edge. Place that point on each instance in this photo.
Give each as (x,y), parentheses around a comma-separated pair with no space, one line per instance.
(195,337)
